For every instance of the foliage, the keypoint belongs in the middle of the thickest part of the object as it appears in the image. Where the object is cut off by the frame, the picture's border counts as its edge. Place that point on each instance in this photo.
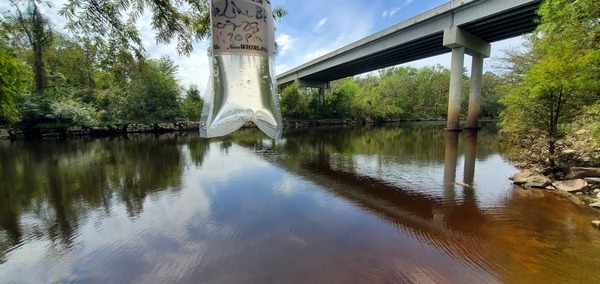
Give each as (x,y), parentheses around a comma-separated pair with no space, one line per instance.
(84,84)
(397,93)
(12,83)
(339,102)
(192,104)
(72,111)
(491,92)
(552,82)
(295,101)
(29,23)
(153,93)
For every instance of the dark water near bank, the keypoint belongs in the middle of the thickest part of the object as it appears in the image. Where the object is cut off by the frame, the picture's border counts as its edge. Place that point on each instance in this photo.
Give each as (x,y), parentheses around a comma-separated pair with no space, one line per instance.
(329,205)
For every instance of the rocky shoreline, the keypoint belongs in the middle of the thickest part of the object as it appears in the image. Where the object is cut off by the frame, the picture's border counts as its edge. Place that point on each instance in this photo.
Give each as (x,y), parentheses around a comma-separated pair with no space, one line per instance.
(578,184)
(99,131)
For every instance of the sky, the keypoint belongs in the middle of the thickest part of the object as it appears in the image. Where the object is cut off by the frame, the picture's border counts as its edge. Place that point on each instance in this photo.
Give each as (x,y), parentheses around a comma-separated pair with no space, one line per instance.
(311,29)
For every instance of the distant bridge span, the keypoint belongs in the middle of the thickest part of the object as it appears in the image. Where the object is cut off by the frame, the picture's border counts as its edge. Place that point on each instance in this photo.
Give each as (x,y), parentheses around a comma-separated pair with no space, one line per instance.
(464,26)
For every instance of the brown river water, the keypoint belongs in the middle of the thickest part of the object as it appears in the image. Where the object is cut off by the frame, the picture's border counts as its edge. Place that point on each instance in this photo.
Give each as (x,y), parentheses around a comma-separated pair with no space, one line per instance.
(399,203)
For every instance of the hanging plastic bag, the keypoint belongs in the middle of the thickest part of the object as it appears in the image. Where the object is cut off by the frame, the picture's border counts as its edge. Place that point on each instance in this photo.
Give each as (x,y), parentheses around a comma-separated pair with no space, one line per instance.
(243,84)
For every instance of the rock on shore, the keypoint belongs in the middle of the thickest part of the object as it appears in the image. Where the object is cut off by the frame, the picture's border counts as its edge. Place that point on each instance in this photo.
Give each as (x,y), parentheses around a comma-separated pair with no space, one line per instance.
(571,185)
(528,178)
(585,182)
(579,173)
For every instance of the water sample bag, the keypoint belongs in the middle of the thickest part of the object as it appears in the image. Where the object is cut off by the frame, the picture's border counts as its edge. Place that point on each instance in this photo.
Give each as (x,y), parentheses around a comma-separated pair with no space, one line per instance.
(242,86)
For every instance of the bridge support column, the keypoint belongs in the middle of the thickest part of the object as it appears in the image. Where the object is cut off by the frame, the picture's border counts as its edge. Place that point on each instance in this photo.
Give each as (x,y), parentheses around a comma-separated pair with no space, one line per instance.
(321,96)
(321,85)
(475,92)
(463,42)
(456,72)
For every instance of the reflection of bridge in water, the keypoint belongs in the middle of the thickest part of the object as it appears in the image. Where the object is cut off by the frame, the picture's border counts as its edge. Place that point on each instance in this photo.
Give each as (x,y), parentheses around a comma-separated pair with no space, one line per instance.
(458,226)
(405,206)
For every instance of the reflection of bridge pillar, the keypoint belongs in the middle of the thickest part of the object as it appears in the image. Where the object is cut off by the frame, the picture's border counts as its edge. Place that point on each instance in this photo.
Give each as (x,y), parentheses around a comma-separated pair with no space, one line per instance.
(470,157)
(463,42)
(450,158)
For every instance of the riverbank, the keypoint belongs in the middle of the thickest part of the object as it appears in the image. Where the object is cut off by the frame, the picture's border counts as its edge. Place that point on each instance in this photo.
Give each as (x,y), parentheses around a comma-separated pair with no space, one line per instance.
(102,131)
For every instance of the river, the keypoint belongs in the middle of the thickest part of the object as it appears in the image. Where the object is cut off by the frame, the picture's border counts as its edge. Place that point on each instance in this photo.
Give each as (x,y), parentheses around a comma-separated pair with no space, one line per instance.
(396,203)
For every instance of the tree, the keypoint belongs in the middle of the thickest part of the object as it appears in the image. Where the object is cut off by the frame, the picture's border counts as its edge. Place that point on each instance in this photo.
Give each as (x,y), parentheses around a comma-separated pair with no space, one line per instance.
(37,31)
(491,93)
(153,93)
(295,101)
(12,83)
(192,104)
(185,21)
(553,81)
(339,102)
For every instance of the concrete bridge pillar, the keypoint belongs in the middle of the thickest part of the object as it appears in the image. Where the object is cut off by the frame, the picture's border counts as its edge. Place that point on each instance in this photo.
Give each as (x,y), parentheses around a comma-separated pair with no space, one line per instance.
(321,85)
(321,96)
(456,71)
(475,92)
(461,42)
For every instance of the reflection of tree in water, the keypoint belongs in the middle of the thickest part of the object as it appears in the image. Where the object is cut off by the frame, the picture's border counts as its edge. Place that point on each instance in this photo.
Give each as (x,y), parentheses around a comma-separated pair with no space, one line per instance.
(141,166)
(198,148)
(399,143)
(226,143)
(60,183)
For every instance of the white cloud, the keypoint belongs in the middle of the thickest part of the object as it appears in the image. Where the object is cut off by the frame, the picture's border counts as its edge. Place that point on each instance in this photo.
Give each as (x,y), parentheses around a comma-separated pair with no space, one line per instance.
(315,54)
(282,68)
(320,25)
(285,43)
(391,12)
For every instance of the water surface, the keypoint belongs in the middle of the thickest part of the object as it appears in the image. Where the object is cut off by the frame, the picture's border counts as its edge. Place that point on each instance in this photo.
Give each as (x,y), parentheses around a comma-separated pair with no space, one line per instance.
(369,204)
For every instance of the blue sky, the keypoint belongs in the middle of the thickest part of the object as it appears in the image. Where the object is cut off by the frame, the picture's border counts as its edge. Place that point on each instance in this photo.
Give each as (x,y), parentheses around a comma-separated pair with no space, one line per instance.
(312,28)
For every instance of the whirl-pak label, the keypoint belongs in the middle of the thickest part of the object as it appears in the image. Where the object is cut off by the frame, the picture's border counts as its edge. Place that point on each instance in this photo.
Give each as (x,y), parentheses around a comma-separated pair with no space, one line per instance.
(242,27)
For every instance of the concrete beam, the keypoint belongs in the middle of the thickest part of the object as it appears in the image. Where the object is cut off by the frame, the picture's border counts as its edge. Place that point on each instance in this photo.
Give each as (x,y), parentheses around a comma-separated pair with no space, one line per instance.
(456,37)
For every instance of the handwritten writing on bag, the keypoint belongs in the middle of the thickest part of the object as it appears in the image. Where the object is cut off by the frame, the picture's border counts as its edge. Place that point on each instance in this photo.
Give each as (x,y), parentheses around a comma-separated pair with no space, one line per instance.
(241,26)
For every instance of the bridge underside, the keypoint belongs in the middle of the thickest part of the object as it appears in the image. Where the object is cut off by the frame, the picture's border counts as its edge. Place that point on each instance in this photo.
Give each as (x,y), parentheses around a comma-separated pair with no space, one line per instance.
(490,29)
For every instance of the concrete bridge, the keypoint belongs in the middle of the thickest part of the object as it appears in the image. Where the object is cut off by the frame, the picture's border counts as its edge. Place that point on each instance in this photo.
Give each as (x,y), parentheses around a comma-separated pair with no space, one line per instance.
(460,26)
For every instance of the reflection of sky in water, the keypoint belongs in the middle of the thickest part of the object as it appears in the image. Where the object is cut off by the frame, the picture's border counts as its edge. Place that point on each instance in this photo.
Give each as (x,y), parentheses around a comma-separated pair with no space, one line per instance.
(235,212)
(256,214)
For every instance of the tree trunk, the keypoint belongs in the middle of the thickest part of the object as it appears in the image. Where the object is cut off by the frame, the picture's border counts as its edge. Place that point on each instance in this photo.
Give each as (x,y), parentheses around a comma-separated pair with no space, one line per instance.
(38,69)
(551,152)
